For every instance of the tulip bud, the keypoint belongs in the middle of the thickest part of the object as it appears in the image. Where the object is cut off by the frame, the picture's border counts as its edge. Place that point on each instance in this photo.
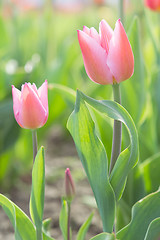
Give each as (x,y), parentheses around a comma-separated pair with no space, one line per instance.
(107,56)
(69,185)
(153,4)
(30,105)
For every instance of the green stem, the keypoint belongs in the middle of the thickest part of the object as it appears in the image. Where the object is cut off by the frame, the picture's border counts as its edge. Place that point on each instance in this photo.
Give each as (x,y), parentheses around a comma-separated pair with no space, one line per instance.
(69,220)
(121,10)
(34,140)
(158,48)
(39,234)
(117,130)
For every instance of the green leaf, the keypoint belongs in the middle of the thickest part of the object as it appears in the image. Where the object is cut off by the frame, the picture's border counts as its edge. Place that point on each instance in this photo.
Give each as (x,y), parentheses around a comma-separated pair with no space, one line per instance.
(24,228)
(153,232)
(63,219)
(9,129)
(94,159)
(134,90)
(38,188)
(68,92)
(84,228)
(128,158)
(149,170)
(46,225)
(104,236)
(143,213)
(46,237)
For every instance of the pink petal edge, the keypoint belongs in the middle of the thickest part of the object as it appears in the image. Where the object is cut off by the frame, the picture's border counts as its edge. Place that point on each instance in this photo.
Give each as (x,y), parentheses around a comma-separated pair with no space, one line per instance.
(120,56)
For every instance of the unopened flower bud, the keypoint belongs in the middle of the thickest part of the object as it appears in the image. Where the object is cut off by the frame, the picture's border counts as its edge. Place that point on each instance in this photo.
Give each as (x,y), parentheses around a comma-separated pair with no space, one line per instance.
(69,185)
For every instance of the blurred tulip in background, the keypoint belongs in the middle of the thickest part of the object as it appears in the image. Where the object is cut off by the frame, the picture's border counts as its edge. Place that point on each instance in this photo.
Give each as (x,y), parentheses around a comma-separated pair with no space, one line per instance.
(153,4)
(27,4)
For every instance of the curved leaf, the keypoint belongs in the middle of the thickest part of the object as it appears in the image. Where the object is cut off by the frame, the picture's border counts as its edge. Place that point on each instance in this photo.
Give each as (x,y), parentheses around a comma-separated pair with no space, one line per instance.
(104,236)
(153,232)
(46,237)
(38,188)
(94,159)
(69,92)
(46,227)
(143,213)
(24,228)
(84,228)
(129,157)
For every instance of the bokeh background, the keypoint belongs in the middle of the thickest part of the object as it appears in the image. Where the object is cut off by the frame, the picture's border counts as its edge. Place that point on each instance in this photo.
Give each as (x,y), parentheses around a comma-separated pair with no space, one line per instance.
(38,41)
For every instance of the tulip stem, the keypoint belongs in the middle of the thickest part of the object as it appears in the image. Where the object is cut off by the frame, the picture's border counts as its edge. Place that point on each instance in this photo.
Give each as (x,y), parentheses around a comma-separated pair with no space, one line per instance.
(117,130)
(121,10)
(34,140)
(39,234)
(69,220)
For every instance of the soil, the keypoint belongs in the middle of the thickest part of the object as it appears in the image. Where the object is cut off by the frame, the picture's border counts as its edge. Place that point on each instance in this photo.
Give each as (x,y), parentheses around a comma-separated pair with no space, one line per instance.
(60,153)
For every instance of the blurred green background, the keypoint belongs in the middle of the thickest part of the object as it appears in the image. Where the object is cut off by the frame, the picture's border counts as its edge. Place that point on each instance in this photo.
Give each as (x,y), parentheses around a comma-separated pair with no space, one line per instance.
(39,42)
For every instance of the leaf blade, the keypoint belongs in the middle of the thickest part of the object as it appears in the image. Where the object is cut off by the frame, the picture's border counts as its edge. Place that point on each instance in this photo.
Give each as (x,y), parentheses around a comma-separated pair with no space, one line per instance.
(84,228)
(24,228)
(130,155)
(143,213)
(38,188)
(94,159)
(63,219)
(104,236)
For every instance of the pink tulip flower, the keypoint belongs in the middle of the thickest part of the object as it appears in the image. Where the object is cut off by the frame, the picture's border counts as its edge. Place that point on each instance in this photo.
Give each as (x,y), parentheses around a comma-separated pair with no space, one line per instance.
(107,56)
(30,105)
(153,4)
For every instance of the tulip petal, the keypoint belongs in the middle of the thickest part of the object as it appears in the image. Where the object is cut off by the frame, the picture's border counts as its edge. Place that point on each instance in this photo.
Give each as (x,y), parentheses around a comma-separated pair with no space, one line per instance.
(120,56)
(86,30)
(32,113)
(16,103)
(33,86)
(94,34)
(43,94)
(95,58)
(106,33)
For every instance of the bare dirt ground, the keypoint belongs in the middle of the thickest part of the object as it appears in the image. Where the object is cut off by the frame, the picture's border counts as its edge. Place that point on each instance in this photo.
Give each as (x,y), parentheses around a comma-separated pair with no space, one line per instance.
(60,154)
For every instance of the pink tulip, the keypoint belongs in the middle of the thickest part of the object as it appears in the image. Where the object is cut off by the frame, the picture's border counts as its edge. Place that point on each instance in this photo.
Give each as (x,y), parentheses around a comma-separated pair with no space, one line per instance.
(107,56)
(30,105)
(153,4)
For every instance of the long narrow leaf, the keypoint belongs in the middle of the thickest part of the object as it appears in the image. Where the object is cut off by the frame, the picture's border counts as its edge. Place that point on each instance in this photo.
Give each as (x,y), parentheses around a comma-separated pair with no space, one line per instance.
(84,228)
(63,219)
(38,188)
